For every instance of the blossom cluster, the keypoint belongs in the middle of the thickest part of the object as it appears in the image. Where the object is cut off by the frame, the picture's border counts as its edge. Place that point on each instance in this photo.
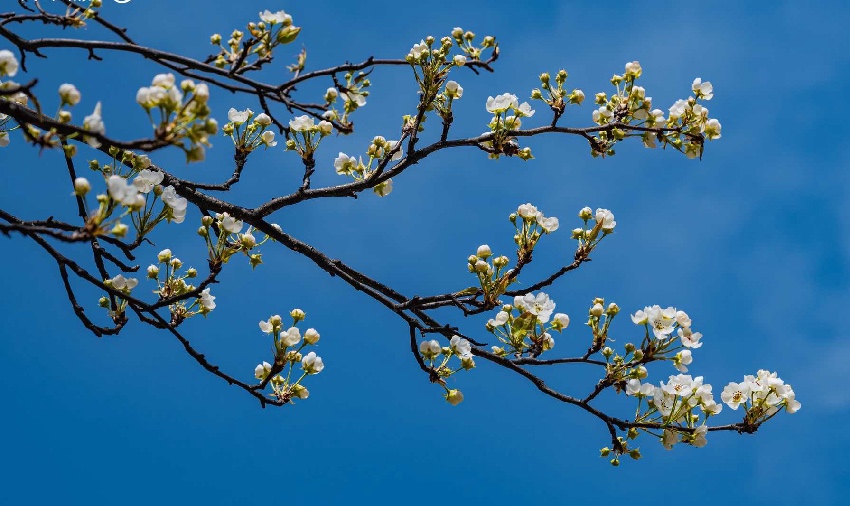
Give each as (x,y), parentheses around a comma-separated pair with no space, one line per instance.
(558,97)
(116,305)
(597,225)
(438,359)
(686,125)
(171,283)
(182,114)
(527,332)
(352,94)
(247,131)
(273,29)
(306,135)
(8,67)
(224,238)
(288,348)
(380,152)
(507,113)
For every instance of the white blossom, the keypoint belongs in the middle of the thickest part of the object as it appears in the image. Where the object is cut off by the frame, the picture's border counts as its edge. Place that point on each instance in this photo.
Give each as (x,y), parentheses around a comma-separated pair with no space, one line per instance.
(290,336)
(120,191)
(263,119)
(689,338)
(312,363)
(453,89)
(311,336)
(8,63)
(501,319)
(230,224)
(462,347)
(268,139)
(207,300)
(501,103)
(344,164)
(147,179)
(69,94)
(430,349)
(606,218)
(454,397)
(94,123)
(274,18)
(262,370)
(735,394)
(418,50)
(539,305)
(239,117)
(702,89)
(301,123)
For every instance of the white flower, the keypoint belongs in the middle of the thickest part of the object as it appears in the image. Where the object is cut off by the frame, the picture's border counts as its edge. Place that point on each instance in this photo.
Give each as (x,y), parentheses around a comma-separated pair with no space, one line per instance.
(262,370)
(69,94)
(81,186)
(699,436)
(311,336)
(177,203)
(501,103)
(548,225)
(483,251)
(678,109)
(459,60)
(561,320)
(94,123)
(669,439)
(301,123)
(525,110)
(792,405)
(326,127)
(268,327)
(120,191)
(290,336)
(119,282)
(735,394)
(712,129)
(633,69)
(312,363)
(454,90)
(688,338)
(202,93)
(430,349)
(384,188)
(206,300)
(147,179)
(398,155)
(633,386)
(454,397)
(356,98)
(418,50)
(8,63)
(268,139)
(684,359)
(263,119)
(540,305)
(231,224)
(501,319)
(4,139)
(602,115)
(461,346)
(683,319)
(273,18)
(660,320)
(702,89)
(606,217)
(527,212)
(640,317)
(164,81)
(344,164)
(681,384)
(239,117)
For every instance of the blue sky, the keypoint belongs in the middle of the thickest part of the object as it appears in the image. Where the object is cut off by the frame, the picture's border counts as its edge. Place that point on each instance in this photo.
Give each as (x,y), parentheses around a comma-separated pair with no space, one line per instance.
(752,241)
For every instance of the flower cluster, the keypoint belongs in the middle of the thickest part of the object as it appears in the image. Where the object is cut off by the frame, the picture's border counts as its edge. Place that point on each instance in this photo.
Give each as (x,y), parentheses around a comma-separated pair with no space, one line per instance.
(761,396)
(465,39)
(533,224)
(226,238)
(507,113)
(179,114)
(558,97)
(527,332)
(8,67)
(306,135)
(596,226)
(437,357)
(380,153)
(686,126)
(115,304)
(172,284)
(273,29)
(137,199)
(248,132)
(352,95)
(287,348)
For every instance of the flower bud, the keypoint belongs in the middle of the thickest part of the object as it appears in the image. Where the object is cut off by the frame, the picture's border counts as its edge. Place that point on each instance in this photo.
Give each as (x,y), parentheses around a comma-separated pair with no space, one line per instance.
(311,336)
(119,230)
(153,271)
(607,352)
(176,263)
(297,315)
(613,309)
(484,251)
(482,266)
(191,273)
(202,231)
(103,302)
(586,213)
(454,397)
(81,186)
(597,310)
(164,255)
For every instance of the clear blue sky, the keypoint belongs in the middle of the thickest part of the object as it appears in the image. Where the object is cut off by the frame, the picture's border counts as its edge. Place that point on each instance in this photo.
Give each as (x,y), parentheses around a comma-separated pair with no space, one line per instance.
(753,241)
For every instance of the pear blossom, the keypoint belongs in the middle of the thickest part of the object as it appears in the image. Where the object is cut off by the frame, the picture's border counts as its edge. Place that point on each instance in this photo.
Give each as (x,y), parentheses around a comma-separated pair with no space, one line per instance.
(119,282)
(311,336)
(230,224)
(262,370)
(792,405)
(459,60)
(500,319)
(312,363)
(640,317)
(391,145)
(689,338)
(120,191)
(683,359)
(263,119)
(454,397)
(147,179)
(678,109)
(502,103)
(8,63)
(633,69)
(602,115)
(94,123)
(69,94)
(290,336)
(274,18)
(702,90)
(418,50)
(358,99)
(268,326)
(699,436)
(606,218)
(202,93)
(548,225)
(669,439)
(384,188)
(177,203)
(539,305)
(712,129)
(735,394)
(268,139)
(326,127)
(239,117)
(301,123)
(660,320)
(453,89)
(430,349)
(344,164)
(164,81)
(527,211)
(461,346)
(561,320)
(207,300)
(483,251)
(81,186)
(525,110)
